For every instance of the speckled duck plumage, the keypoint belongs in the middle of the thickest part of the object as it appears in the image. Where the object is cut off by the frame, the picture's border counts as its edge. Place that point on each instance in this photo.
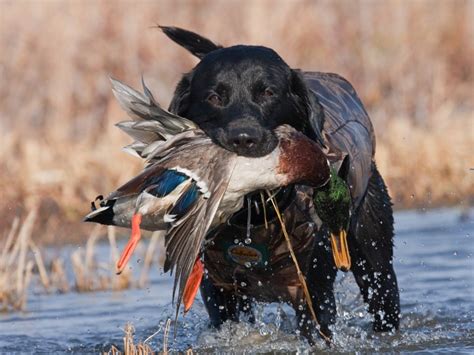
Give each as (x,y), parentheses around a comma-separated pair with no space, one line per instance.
(190,184)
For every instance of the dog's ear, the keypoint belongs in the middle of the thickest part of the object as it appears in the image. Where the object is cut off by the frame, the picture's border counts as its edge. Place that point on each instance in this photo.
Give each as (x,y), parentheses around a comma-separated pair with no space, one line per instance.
(194,43)
(308,106)
(180,102)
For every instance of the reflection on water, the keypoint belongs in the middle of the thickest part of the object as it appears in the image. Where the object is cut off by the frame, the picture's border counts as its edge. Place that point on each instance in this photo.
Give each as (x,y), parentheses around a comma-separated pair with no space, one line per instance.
(433,261)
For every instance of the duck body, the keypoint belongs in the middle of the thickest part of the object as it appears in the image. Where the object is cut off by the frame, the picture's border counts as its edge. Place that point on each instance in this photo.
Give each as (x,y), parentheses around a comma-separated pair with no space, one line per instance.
(190,184)
(195,170)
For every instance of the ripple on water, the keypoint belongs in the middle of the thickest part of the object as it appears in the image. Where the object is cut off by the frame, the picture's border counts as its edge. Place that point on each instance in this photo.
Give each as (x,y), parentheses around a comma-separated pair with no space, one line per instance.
(433,261)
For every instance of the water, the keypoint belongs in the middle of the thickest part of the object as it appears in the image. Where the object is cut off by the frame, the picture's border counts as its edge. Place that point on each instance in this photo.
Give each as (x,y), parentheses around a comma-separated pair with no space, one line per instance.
(433,261)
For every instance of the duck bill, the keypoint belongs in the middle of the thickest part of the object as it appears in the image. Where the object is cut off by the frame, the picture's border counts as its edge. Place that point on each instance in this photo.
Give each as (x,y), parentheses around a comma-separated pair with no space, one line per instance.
(132,243)
(340,250)
(192,285)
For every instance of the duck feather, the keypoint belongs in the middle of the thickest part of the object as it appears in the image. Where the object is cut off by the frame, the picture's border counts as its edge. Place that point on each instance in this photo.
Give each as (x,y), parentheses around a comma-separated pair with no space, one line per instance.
(172,145)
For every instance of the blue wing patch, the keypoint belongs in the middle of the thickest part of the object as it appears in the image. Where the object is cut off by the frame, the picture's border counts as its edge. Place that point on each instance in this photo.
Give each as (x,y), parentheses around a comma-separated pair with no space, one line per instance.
(166,182)
(185,201)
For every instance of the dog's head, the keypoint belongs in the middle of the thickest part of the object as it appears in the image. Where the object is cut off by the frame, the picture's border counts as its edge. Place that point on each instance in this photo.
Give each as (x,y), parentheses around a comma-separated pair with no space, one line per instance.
(238,95)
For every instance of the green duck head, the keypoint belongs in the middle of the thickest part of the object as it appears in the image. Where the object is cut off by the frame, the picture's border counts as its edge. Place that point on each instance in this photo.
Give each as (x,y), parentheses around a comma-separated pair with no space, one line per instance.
(333,203)
(333,206)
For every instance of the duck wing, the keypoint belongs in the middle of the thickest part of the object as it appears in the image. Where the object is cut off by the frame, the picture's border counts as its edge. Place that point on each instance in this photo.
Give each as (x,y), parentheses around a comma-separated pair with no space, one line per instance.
(154,183)
(192,215)
(150,124)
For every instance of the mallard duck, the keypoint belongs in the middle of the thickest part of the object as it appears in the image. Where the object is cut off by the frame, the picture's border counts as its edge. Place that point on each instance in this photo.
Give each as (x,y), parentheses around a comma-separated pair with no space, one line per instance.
(190,184)
(333,205)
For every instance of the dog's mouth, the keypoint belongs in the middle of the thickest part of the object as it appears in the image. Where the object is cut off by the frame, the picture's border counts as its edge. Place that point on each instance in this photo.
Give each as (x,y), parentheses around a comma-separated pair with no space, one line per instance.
(246,145)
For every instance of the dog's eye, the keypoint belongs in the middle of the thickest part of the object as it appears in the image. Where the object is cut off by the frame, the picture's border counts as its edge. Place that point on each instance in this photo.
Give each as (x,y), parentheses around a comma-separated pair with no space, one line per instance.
(214,100)
(267,92)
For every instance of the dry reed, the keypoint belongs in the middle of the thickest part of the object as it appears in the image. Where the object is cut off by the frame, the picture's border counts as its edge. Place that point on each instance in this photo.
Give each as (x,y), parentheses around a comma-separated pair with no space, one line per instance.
(142,348)
(91,275)
(16,265)
(129,347)
(301,277)
(411,63)
(21,259)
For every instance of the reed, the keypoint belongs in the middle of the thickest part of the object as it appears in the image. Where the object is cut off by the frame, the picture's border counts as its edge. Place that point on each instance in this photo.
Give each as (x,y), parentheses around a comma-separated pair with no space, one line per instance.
(91,275)
(21,260)
(129,347)
(16,265)
(411,63)
(142,348)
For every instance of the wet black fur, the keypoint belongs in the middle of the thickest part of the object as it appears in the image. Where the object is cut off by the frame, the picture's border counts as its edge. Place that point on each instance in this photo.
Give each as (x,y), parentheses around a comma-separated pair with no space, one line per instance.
(239,75)
(256,91)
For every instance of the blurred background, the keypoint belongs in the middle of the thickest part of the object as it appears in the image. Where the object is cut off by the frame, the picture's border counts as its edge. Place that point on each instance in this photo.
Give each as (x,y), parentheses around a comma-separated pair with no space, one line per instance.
(411,62)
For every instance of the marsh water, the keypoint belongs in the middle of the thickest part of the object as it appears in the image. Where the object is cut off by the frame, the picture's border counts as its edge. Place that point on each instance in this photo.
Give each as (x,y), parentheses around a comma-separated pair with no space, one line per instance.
(435,268)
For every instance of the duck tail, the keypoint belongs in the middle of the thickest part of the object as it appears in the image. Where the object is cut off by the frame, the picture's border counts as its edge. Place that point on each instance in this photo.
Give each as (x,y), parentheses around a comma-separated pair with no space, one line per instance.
(103,215)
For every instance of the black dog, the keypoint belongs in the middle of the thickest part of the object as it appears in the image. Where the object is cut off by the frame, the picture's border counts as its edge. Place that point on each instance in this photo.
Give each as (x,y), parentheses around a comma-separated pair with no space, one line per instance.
(238,96)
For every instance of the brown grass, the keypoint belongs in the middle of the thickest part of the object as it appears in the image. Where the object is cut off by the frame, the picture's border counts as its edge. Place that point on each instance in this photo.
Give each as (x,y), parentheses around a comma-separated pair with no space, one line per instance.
(129,347)
(21,261)
(411,63)
(91,275)
(16,265)
(142,348)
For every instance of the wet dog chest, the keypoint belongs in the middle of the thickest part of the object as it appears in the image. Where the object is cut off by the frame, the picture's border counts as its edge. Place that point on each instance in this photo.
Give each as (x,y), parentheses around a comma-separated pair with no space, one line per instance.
(256,261)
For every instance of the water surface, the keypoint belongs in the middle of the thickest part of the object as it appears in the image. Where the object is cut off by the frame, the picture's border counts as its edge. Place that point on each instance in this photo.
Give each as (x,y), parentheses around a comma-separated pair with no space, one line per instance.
(435,269)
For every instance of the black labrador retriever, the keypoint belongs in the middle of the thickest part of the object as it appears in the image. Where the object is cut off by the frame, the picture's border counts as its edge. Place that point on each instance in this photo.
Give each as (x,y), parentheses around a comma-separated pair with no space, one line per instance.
(238,95)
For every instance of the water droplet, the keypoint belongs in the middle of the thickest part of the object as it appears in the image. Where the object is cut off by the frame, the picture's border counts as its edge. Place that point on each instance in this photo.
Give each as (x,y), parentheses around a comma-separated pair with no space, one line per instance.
(259,283)
(248,240)
(243,284)
(236,241)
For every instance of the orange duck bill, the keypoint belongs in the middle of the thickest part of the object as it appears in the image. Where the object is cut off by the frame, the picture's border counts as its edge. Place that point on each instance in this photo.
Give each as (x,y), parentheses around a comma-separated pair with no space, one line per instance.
(192,285)
(132,243)
(340,250)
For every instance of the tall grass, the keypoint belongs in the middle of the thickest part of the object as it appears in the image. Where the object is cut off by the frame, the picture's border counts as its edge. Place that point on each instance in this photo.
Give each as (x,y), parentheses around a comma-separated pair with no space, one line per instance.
(19,255)
(411,63)
(21,262)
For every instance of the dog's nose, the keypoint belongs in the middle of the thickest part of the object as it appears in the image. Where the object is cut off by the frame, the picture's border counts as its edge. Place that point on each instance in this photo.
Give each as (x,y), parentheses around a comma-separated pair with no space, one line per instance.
(244,140)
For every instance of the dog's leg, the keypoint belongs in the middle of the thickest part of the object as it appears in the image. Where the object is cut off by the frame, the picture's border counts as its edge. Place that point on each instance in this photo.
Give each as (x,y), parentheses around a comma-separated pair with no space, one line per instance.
(221,305)
(371,248)
(320,281)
